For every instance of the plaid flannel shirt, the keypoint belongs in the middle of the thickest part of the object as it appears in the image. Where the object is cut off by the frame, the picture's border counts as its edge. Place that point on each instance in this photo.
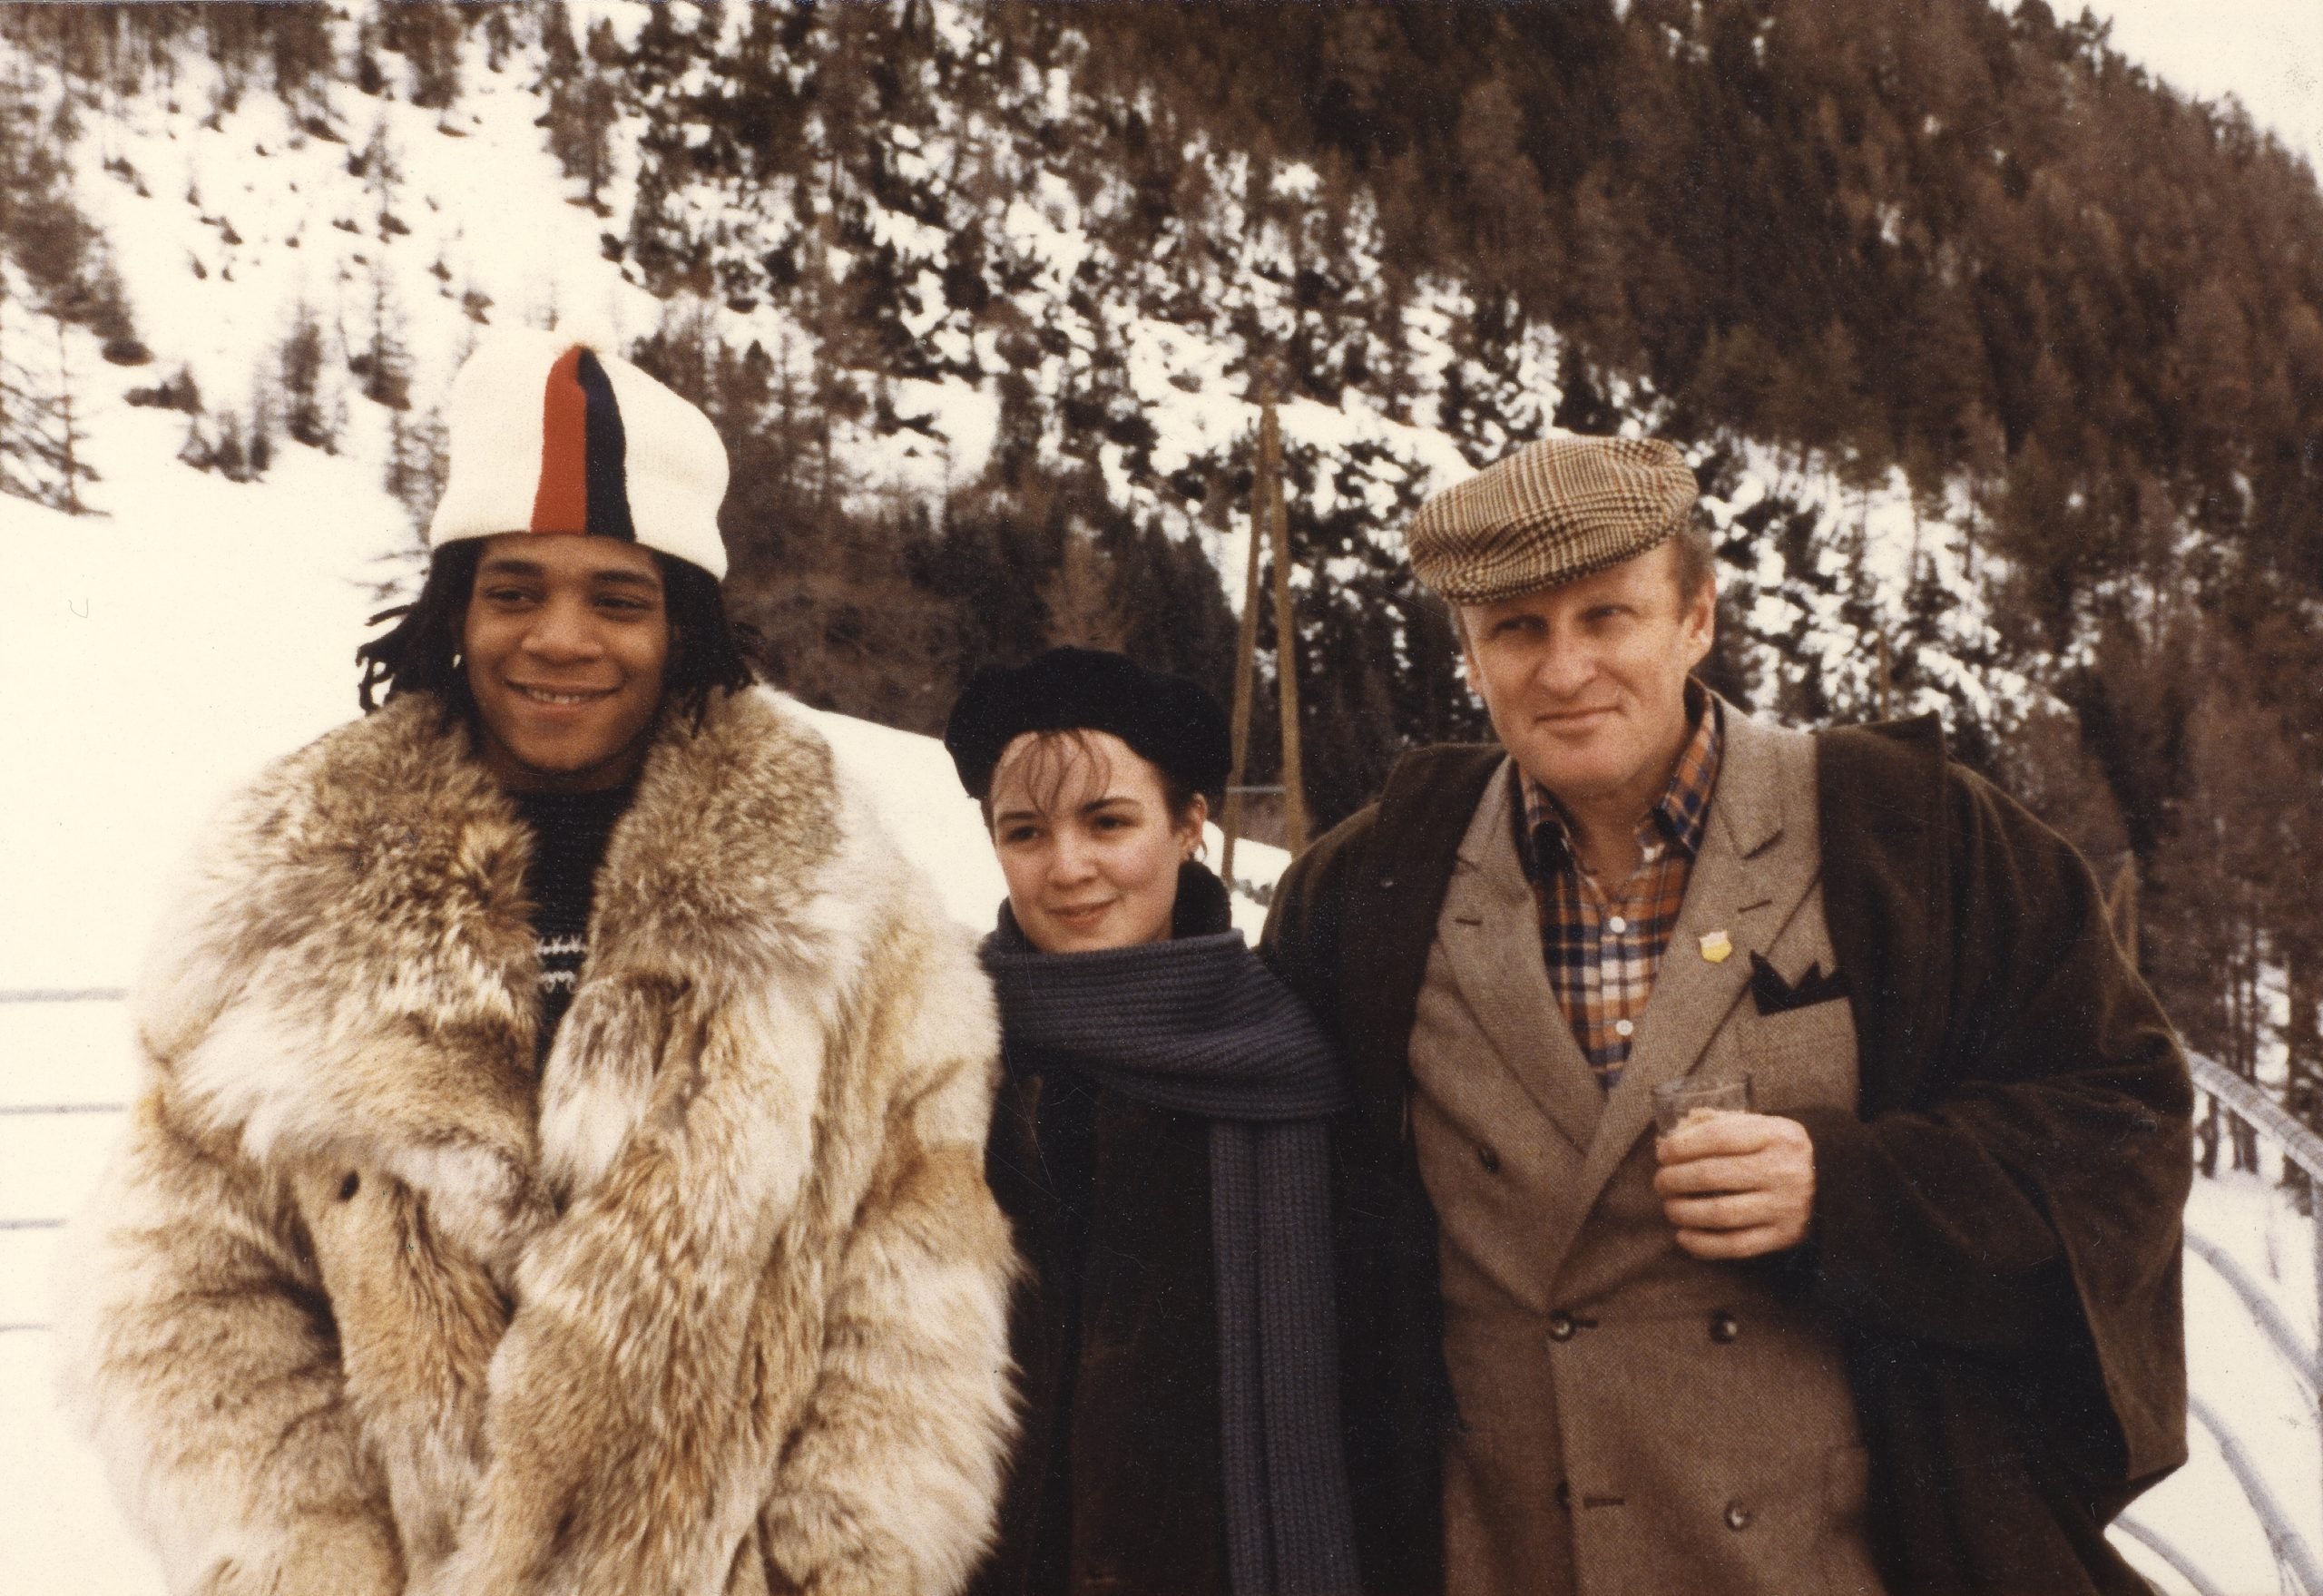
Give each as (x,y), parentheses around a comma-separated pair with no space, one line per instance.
(1602,947)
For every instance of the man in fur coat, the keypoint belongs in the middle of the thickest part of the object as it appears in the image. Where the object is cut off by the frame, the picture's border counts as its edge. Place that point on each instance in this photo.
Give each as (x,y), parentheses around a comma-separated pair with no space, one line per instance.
(1907,1323)
(559,1167)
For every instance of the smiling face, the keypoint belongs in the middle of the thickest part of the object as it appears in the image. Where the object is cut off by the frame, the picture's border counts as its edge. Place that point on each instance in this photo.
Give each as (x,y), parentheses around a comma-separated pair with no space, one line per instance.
(1083,826)
(1586,682)
(567,642)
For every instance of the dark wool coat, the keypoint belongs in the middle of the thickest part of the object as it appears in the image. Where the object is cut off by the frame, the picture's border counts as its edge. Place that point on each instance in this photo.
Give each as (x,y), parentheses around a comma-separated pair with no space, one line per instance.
(1996,1228)
(1116,1484)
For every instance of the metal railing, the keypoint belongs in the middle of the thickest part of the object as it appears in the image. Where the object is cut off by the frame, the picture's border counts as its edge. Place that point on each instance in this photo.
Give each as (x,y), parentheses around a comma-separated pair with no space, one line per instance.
(2268,1317)
(2300,1149)
(2243,1099)
(53,994)
(2166,1550)
(2290,1546)
(2246,1100)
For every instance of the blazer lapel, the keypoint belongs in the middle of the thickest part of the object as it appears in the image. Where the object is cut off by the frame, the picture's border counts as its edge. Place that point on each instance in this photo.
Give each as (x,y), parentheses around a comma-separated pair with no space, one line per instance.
(1758,863)
(1491,934)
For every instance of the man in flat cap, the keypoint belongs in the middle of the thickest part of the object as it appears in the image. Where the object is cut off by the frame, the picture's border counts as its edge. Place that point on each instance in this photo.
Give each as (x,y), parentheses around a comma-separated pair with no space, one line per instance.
(1909,1320)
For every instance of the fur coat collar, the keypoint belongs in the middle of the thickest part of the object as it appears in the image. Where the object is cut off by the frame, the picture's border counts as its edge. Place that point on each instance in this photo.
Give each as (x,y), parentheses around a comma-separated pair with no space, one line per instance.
(578,1309)
(354,976)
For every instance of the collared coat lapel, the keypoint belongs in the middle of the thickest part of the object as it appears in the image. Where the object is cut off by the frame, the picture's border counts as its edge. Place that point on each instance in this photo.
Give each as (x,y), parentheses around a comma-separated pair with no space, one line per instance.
(1491,930)
(1758,863)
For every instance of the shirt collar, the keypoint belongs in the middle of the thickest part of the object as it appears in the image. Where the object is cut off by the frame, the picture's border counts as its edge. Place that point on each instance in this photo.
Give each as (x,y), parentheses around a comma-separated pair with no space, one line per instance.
(1545,838)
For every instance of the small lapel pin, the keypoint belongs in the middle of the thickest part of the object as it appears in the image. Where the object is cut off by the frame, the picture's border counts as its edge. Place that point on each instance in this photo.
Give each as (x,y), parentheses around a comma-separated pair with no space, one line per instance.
(1716,948)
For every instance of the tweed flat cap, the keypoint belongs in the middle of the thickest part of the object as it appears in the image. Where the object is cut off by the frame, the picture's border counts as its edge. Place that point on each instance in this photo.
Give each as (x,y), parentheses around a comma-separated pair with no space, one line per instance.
(1553,512)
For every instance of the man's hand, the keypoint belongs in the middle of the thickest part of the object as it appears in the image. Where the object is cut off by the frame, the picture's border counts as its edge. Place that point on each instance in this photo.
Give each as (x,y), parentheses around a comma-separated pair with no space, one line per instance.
(1737,1185)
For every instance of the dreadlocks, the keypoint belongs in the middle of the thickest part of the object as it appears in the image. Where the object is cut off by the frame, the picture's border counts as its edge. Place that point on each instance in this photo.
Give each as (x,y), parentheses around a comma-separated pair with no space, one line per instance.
(421,651)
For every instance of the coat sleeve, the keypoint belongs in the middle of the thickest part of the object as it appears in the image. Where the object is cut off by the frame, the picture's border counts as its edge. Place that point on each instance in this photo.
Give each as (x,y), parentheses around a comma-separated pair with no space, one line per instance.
(889,1485)
(1299,943)
(2022,1194)
(198,1350)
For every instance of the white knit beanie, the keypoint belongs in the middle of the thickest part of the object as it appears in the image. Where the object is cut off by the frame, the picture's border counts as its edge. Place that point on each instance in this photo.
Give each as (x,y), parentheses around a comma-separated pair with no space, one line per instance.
(549,434)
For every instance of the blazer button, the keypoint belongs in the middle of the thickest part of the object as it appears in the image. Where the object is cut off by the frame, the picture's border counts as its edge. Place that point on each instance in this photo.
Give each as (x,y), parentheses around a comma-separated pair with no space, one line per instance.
(1737,1517)
(1723,1326)
(1561,1325)
(1564,1495)
(1486,1156)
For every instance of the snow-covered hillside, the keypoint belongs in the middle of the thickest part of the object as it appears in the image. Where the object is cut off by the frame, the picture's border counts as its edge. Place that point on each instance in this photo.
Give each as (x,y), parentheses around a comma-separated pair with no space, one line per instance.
(149,662)
(236,219)
(154,653)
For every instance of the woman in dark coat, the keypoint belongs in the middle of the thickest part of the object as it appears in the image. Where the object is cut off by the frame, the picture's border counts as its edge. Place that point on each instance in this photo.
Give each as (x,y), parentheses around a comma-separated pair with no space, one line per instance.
(1159,1144)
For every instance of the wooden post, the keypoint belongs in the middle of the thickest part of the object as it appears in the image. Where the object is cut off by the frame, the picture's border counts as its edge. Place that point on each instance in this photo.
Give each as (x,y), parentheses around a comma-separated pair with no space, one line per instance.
(2121,909)
(1270,527)
(1286,632)
(1246,651)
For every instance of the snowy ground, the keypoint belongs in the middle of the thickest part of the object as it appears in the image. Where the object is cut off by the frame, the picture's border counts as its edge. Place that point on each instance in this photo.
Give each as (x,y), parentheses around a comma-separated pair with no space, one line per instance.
(150,660)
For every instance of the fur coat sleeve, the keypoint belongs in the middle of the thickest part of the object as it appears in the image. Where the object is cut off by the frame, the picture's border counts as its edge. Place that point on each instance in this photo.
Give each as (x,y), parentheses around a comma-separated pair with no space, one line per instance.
(712,1300)
(198,1348)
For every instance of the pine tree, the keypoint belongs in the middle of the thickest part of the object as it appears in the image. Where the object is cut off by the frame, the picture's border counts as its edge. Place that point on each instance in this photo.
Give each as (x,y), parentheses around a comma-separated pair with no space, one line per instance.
(582,102)
(226,457)
(1082,604)
(427,35)
(305,60)
(382,363)
(418,462)
(262,450)
(56,437)
(382,173)
(20,461)
(299,364)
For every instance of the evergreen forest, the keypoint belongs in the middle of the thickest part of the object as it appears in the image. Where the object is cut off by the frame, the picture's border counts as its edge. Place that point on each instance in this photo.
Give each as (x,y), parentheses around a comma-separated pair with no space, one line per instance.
(1916,259)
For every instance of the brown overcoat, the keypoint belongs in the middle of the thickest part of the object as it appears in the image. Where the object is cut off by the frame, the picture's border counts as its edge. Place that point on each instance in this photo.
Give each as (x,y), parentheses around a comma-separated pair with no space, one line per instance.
(1997,1220)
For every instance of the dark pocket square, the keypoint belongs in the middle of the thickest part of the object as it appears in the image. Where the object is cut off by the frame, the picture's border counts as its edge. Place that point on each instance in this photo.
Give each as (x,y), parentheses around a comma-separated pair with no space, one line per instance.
(1775,996)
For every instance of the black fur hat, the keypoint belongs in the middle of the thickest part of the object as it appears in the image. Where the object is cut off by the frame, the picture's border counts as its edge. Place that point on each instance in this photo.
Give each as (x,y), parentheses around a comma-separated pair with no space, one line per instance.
(1166,719)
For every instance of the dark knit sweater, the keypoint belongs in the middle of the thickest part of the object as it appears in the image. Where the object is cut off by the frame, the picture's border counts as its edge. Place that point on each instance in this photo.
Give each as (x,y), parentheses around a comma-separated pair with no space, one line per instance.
(570,831)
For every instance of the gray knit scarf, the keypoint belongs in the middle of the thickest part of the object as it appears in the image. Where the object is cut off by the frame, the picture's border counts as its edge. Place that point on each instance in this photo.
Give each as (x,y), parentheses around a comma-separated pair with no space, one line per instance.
(1197,1025)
